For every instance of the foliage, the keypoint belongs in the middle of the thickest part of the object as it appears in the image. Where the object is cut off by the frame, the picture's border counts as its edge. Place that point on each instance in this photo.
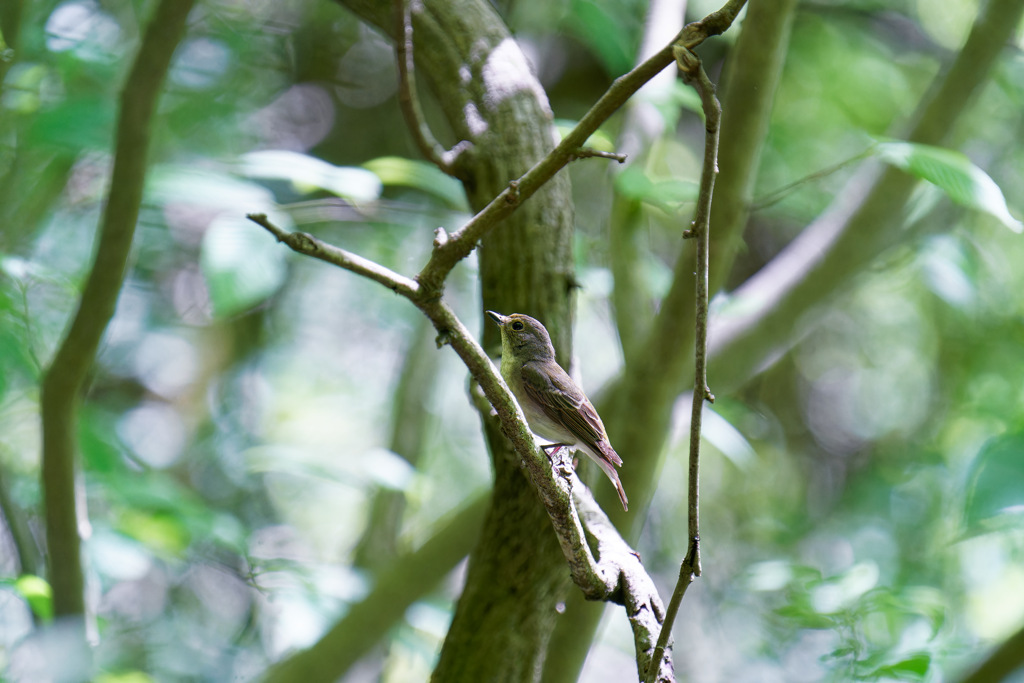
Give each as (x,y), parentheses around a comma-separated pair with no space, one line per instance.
(861,500)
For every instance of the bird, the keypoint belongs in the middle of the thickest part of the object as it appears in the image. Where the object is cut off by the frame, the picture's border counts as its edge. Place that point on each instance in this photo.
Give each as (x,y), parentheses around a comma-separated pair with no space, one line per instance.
(555,407)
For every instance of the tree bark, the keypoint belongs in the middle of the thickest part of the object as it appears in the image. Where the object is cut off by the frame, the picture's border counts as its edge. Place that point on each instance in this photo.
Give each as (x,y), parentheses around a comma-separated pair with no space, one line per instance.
(517,575)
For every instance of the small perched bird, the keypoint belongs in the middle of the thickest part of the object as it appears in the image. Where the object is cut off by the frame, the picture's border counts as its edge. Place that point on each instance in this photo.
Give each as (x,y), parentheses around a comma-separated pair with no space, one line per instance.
(554,406)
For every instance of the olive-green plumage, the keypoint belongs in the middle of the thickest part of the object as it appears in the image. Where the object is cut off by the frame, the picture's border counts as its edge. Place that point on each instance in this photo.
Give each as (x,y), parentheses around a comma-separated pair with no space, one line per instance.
(554,406)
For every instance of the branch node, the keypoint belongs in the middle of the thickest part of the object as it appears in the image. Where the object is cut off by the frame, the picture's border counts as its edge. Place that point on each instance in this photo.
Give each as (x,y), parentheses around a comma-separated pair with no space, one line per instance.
(443,338)
(512,193)
(440,238)
(303,242)
(687,61)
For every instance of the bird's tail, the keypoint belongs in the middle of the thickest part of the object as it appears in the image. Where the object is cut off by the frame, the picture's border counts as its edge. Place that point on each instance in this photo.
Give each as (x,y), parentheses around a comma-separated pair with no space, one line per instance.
(609,456)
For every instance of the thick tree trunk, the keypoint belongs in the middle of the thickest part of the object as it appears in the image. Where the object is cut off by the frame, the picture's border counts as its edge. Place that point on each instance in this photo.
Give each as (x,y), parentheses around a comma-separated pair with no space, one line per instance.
(517,576)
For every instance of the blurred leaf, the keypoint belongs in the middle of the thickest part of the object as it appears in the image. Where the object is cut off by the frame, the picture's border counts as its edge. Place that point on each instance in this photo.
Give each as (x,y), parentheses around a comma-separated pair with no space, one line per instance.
(421,176)
(726,438)
(994,487)
(75,124)
(913,668)
(308,173)
(667,195)
(242,264)
(100,449)
(600,140)
(166,501)
(170,184)
(605,28)
(37,593)
(164,533)
(953,173)
(124,677)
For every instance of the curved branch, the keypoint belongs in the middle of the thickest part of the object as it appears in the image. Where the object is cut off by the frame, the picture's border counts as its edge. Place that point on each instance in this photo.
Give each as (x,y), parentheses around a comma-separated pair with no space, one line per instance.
(64,379)
(407,99)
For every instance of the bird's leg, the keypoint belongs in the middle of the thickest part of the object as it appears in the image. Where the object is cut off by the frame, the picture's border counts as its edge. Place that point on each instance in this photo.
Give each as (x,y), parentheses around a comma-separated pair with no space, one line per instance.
(556,446)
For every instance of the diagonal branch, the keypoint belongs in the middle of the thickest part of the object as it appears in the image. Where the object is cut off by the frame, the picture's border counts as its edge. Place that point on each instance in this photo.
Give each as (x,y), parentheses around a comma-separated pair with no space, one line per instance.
(599,578)
(66,375)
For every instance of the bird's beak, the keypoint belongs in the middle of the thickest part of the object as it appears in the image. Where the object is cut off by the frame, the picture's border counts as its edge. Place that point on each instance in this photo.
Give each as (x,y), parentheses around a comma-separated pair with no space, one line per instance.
(498,317)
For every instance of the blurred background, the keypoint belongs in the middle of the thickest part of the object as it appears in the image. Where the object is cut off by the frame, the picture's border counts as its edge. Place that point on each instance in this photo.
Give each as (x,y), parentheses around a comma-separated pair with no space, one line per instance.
(862,497)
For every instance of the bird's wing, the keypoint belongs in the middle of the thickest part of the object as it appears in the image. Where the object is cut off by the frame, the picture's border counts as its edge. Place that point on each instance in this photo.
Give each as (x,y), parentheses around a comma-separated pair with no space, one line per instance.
(562,401)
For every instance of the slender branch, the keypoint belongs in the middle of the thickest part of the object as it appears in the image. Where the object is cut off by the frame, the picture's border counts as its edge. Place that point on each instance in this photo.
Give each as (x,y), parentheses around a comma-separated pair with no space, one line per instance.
(305,243)
(694,74)
(462,242)
(64,380)
(777,195)
(407,98)
(587,153)
(599,579)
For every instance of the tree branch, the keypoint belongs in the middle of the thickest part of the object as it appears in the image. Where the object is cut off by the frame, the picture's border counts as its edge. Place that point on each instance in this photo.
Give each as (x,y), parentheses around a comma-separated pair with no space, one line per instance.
(304,243)
(598,579)
(64,380)
(694,74)
(461,243)
(407,98)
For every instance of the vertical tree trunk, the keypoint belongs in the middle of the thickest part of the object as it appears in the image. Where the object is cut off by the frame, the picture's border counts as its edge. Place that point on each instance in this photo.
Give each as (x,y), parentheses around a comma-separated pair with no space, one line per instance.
(517,576)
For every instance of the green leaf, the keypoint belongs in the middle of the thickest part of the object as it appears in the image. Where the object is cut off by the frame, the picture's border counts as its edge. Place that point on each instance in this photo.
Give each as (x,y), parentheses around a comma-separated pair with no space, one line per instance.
(953,173)
(914,668)
(994,489)
(420,176)
(75,124)
(667,195)
(607,28)
(308,173)
(242,264)
(37,593)
(169,184)
(599,140)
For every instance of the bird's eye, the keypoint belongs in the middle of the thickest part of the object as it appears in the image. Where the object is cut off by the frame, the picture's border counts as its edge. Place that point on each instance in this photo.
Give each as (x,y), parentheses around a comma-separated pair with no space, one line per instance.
(517,326)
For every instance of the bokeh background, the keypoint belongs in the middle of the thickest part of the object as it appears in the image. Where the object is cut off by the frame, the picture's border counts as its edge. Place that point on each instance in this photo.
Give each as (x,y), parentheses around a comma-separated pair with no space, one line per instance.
(862,497)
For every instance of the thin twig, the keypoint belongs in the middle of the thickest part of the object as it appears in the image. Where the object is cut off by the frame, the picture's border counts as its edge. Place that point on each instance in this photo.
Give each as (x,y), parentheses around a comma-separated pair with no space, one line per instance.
(780,193)
(407,98)
(588,153)
(694,74)
(304,243)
